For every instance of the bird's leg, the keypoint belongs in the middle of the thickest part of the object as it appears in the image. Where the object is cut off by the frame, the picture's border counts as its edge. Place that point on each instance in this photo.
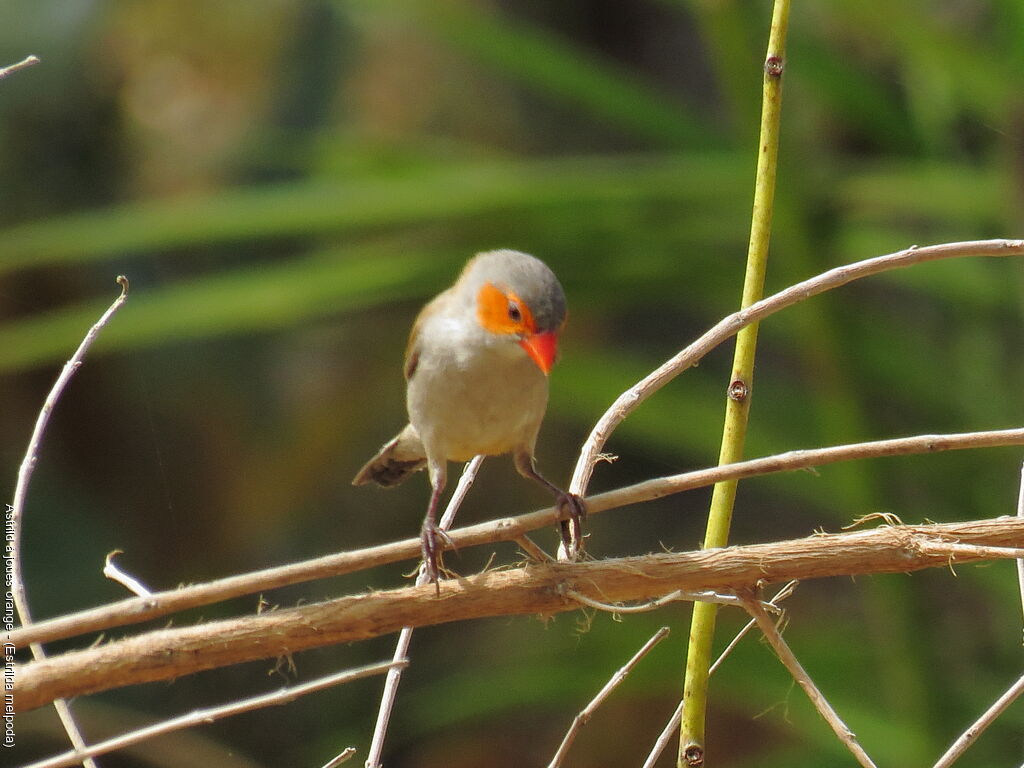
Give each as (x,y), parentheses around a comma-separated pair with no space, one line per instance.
(430,535)
(571,507)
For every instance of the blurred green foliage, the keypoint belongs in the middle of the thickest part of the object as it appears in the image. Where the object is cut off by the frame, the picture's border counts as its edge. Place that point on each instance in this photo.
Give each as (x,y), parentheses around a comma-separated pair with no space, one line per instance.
(284,183)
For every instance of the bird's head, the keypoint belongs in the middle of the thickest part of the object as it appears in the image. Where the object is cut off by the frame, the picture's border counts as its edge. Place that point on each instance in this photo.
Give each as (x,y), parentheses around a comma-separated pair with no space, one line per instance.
(517,296)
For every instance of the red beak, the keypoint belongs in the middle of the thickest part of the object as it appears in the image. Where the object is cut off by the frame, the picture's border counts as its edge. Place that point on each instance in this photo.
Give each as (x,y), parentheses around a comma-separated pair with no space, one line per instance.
(542,349)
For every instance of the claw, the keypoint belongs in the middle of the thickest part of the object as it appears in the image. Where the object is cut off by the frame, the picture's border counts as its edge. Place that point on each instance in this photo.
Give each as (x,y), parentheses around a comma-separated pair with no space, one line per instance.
(434,541)
(571,508)
(571,527)
(431,552)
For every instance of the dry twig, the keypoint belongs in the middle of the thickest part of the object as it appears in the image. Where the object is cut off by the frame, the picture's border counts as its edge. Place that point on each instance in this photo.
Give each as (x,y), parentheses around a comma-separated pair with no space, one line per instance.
(168,653)
(15,577)
(344,757)
(789,660)
(587,712)
(129,582)
(672,727)
(698,596)
(209,714)
(10,69)
(1020,515)
(729,326)
(969,736)
(137,609)
(394,676)
(530,548)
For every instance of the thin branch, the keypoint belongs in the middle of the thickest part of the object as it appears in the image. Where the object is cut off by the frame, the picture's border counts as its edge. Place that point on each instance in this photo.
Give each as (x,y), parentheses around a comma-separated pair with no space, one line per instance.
(210,714)
(169,653)
(532,550)
(28,61)
(133,610)
(628,401)
(1020,515)
(15,575)
(344,757)
(969,736)
(672,726)
(587,712)
(132,584)
(973,551)
(789,660)
(772,606)
(699,596)
(394,676)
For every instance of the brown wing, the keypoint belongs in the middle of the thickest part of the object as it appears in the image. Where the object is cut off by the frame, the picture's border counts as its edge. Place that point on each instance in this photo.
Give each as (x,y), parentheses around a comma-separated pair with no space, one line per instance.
(412,350)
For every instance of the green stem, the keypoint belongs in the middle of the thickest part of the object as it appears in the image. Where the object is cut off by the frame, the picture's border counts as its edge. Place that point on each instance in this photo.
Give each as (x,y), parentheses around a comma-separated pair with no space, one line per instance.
(702,628)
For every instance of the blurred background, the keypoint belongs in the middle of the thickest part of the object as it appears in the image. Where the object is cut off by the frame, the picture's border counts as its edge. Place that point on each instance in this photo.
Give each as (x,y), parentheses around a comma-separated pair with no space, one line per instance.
(285,183)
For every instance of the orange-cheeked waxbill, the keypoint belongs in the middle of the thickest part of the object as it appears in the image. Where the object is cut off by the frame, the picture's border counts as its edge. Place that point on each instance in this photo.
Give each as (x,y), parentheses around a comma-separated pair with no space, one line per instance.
(476,370)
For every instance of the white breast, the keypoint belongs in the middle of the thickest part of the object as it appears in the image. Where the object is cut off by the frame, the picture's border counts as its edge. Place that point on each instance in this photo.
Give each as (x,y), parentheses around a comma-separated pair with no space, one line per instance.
(473,392)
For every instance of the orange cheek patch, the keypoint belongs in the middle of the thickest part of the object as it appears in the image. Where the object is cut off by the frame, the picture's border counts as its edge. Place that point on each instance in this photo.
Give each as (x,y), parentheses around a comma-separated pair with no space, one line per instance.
(492,312)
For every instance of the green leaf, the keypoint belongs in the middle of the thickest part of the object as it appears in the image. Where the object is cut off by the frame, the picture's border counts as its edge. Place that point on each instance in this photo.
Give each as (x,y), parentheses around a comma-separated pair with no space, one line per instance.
(342,206)
(257,297)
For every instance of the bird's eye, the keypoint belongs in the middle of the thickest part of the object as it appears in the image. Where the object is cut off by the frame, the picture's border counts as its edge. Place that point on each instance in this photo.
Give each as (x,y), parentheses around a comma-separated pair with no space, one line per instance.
(514,313)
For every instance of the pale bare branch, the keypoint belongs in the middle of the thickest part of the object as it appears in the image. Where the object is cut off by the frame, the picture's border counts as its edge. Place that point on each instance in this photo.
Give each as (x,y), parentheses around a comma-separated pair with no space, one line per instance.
(532,550)
(344,757)
(394,676)
(969,736)
(973,551)
(15,576)
(10,69)
(209,714)
(583,717)
(112,572)
(1020,515)
(698,596)
(789,660)
(672,727)
(729,326)
(169,653)
(139,609)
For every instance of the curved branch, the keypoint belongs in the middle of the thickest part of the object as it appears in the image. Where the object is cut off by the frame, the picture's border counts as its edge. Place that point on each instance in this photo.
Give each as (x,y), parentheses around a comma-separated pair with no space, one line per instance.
(170,653)
(137,609)
(16,513)
(729,326)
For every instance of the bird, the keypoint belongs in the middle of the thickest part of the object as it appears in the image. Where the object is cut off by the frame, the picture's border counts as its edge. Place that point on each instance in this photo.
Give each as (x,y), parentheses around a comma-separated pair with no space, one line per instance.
(476,371)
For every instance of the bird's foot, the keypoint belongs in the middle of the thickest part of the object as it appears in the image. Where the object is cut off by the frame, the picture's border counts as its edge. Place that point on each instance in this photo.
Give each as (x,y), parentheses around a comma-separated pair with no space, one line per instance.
(434,541)
(573,511)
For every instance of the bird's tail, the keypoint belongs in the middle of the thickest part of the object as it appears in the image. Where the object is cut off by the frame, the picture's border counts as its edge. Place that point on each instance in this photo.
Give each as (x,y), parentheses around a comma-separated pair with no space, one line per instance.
(400,457)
